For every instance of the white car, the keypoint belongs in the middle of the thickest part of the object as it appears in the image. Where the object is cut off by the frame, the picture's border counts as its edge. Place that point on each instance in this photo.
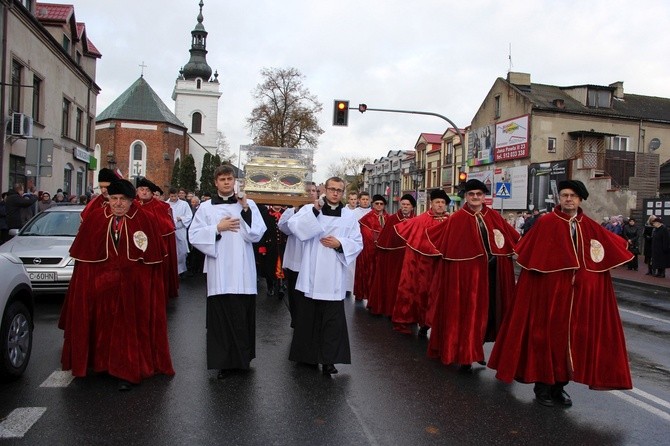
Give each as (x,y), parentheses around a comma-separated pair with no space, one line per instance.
(43,245)
(16,327)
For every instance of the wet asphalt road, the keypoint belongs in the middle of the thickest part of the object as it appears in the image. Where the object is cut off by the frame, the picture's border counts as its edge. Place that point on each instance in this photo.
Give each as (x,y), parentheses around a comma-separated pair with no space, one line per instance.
(392,394)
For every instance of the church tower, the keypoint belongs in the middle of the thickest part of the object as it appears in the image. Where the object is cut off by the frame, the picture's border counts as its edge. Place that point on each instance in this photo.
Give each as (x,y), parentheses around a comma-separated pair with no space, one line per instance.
(196,95)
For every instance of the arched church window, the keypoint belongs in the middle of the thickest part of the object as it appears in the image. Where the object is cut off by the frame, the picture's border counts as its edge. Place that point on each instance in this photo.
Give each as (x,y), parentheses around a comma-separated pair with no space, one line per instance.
(198,84)
(196,123)
(138,159)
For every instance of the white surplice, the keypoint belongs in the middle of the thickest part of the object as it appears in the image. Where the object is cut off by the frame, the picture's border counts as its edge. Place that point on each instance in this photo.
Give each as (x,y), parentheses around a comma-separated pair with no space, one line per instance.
(323,270)
(229,261)
(182,216)
(294,246)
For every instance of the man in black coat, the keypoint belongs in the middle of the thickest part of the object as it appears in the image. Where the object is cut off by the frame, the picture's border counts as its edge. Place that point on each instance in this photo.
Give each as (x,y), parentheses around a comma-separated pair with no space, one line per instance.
(660,247)
(14,203)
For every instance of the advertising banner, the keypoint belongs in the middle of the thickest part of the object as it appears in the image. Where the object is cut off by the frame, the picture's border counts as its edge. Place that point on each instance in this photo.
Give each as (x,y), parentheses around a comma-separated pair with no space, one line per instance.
(518,178)
(543,179)
(481,142)
(511,140)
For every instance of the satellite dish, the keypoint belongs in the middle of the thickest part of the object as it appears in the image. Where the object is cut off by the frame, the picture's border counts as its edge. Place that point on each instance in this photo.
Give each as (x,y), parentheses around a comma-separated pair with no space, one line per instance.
(654,144)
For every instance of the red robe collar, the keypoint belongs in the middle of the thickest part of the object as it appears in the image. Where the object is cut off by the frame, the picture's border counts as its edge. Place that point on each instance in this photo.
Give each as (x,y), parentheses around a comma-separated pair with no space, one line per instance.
(413,232)
(460,238)
(548,246)
(138,240)
(388,238)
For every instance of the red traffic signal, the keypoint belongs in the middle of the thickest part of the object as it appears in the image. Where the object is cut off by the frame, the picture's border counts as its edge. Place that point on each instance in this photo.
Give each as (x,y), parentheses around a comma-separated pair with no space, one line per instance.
(340,112)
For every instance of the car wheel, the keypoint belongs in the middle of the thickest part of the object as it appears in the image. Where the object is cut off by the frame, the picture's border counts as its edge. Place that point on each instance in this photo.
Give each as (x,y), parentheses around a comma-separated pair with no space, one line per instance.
(16,336)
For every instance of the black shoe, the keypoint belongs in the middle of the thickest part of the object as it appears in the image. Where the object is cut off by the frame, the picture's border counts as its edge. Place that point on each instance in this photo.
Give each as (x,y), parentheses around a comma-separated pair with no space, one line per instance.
(648,273)
(543,394)
(423,332)
(224,373)
(328,369)
(124,386)
(662,276)
(560,396)
(465,368)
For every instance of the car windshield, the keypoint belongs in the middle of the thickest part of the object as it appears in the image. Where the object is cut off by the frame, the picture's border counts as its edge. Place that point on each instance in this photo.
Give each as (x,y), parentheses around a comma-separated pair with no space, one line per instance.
(50,224)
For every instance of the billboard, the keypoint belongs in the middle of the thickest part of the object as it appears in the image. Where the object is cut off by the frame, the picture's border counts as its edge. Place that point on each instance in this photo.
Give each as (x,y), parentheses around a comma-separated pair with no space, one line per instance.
(481,142)
(543,179)
(518,177)
(511,141)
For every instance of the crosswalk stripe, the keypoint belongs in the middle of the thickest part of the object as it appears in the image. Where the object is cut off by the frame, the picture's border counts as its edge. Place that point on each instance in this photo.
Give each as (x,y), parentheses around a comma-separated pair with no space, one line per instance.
(642,405)
(651,398)
(19,421)
(58,379)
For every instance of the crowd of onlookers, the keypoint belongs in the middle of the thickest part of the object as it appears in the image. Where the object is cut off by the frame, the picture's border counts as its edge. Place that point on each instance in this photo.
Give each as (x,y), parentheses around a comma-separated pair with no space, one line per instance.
(19,205)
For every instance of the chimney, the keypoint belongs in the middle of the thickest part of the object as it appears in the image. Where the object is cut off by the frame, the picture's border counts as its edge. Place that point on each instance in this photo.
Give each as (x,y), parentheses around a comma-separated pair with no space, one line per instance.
(618,89)
(518,79)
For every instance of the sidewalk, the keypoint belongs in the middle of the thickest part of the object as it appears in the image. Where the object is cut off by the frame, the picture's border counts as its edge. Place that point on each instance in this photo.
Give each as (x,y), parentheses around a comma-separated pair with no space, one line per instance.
(655,291)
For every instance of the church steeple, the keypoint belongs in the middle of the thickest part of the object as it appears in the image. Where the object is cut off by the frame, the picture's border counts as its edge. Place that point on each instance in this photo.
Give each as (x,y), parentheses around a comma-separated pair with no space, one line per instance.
(197,65)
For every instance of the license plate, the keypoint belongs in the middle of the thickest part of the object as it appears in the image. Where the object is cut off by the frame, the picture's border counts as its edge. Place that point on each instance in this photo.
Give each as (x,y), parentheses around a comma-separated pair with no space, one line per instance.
(42,277)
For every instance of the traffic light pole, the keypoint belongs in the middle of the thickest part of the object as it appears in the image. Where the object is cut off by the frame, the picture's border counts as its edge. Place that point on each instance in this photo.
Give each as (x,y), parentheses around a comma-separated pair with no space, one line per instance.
(363,108)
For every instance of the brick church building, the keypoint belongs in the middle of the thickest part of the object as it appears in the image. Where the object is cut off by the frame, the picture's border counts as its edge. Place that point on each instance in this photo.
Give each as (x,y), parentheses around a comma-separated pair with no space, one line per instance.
(139,135)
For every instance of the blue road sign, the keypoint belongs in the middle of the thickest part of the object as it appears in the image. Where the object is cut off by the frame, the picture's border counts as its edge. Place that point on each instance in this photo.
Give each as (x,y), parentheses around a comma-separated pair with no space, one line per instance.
(504,190)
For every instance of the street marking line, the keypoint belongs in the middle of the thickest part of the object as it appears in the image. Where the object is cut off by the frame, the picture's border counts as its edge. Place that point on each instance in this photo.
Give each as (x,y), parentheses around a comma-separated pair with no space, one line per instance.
(19,421)
(651,397)
(654,318)
(58,378)
(368,434)
(642,405)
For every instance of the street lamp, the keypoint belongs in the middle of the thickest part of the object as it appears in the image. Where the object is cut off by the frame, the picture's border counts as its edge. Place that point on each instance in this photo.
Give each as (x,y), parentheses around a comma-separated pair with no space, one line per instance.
(417,177)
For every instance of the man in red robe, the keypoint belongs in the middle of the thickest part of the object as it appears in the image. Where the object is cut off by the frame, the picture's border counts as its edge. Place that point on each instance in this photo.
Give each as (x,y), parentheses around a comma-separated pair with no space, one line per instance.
(418,266)
(474,284)
(389,258)
(163,215)
(564,324)
(105,177)
(371,225)
(114,317)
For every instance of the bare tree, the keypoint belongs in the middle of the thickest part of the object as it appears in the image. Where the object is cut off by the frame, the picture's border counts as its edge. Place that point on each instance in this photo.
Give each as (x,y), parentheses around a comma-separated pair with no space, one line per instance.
(223,148)
(347,167)
(286,111)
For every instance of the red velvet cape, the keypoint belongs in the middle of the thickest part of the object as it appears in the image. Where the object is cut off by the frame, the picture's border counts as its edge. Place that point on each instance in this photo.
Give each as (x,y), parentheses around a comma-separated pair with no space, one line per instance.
(389,258)
(162,212)
(114,317)
(565,323)
(459,316)
(97,202)
(365,262)
(419,264)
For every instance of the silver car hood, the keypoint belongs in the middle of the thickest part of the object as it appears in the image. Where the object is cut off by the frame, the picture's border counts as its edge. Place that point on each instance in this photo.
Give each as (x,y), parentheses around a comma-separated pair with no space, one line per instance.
(28,246)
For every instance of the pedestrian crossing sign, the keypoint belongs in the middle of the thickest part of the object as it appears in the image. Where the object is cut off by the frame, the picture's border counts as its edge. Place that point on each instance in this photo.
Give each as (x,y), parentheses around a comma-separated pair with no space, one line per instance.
(504,190)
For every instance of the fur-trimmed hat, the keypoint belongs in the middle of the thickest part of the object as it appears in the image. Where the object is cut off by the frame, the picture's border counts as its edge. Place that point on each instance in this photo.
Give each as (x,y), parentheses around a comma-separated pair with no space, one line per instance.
(107,175)
(123,187)
(378,197)
(409,198)
(145,182)
(576,186)
(475,185)
(439,193)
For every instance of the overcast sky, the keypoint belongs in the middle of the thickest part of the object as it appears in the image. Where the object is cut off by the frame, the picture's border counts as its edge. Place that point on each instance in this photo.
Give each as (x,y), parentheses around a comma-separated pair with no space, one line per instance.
(441,56)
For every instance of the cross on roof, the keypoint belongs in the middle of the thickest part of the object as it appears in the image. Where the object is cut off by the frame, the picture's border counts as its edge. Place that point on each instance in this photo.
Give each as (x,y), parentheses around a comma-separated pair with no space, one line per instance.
(143,67)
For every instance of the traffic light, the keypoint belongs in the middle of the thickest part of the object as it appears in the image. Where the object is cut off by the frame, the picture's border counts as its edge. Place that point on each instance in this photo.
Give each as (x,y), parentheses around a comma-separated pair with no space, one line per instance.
(462,177)
(341,112)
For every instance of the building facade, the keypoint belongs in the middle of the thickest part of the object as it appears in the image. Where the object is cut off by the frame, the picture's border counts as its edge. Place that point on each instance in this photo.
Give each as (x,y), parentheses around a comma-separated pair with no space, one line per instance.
(531,136)
(49,98)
